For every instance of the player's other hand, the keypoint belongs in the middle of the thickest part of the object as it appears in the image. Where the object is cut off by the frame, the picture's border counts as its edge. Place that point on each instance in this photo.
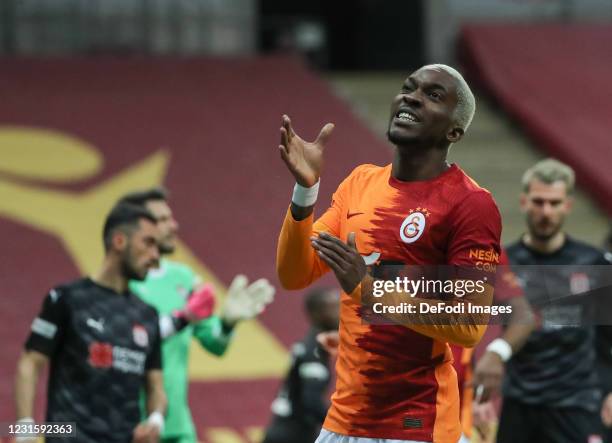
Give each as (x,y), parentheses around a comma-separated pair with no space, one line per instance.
(304,159)
(200,305)
(343,258)
(245,301)
(485,419)
(606,411)
(329,341)
(145,433)
(489,373)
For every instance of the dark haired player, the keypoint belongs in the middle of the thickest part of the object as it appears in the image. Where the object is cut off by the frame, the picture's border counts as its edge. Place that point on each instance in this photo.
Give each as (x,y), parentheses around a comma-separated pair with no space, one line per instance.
(101,342)
(183,302)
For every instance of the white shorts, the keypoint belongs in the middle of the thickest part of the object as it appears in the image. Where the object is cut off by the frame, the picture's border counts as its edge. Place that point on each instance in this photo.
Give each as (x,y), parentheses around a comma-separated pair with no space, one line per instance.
(331,437)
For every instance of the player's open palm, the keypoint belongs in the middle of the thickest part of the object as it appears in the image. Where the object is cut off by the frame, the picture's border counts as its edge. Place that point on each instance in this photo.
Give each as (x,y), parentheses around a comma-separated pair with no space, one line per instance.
(304,159)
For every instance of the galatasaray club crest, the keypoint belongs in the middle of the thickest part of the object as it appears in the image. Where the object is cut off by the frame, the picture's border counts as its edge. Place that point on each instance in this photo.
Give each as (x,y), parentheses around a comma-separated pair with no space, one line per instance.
(141,338)
(414,224)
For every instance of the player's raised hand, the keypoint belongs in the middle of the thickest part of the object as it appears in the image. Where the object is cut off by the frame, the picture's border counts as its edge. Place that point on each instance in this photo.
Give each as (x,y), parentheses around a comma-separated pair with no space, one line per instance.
(245,301)
(343,258)
(304,159)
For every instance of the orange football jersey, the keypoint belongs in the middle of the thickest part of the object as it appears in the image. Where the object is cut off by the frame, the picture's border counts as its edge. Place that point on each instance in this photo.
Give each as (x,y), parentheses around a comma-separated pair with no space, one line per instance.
(392,381)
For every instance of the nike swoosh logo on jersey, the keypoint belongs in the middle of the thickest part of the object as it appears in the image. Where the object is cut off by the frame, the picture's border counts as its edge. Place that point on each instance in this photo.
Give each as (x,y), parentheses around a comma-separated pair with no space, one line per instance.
(352,214)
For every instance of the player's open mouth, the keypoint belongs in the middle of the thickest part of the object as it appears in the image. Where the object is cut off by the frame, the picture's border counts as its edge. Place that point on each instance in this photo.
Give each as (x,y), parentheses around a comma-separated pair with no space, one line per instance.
(404,115)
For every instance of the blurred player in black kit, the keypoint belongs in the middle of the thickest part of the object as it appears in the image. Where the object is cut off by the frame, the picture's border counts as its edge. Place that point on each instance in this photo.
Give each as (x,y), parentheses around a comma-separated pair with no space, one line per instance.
(300,408)
(102,344)
(551,391)
(604,355)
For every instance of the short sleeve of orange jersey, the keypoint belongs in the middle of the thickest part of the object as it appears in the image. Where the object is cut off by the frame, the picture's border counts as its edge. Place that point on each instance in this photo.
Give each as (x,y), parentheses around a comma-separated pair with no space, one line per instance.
(297,265)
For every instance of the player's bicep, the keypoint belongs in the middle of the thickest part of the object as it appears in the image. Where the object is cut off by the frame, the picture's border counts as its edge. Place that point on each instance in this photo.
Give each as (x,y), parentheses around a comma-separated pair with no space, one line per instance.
(47,329)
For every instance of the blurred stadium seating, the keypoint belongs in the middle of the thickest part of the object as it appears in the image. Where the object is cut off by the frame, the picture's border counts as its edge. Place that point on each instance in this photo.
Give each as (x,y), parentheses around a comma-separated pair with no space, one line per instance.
(78,132)
(207,129)
(555,80)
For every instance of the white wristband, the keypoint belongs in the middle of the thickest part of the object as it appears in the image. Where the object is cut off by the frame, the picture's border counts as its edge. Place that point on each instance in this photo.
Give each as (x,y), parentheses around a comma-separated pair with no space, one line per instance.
(156,419)
(25,437)
(305,197)
(166,326)
(502,348)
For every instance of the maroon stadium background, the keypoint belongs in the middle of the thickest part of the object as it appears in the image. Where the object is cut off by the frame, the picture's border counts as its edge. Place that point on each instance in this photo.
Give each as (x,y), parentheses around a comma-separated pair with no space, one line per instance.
(76,134)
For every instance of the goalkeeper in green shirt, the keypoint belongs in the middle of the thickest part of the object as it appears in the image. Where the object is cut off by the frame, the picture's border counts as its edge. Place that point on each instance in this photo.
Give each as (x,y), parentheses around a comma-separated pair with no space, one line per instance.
(185,306)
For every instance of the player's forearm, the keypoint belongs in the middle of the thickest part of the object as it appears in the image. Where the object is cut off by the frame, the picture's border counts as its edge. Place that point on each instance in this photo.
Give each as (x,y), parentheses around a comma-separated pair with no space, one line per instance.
(299,213)
(156,400)
(521,324)
(28,372)
(296,262)
(463,326)
(467,336)
(214,334)
(170,325)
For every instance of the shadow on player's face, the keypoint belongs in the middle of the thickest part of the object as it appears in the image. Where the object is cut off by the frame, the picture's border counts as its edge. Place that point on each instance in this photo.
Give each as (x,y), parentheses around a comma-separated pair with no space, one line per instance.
(166,225)
(142,251)
(422,112)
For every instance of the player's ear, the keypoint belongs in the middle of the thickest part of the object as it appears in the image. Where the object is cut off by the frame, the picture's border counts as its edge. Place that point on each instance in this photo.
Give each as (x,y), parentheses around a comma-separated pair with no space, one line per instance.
(119,240)
(454,135)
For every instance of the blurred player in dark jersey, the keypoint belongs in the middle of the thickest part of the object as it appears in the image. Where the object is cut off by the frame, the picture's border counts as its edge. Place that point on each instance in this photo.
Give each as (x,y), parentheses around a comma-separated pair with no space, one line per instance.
(395,382)
(604,356)
(478,384)
(183,302)
(300,407)
(102,344)
(551,390)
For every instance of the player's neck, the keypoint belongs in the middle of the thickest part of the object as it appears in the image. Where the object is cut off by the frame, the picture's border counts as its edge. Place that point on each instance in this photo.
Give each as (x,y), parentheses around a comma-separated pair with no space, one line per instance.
(417,164)
(548,246)
(110,276)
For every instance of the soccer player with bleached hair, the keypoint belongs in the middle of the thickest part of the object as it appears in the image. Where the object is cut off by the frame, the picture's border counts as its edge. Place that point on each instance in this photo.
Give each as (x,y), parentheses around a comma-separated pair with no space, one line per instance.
(395,381)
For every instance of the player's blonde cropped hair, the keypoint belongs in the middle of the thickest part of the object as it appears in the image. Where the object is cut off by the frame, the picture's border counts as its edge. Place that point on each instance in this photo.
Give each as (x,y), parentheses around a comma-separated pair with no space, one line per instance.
(549,171)
(466,103)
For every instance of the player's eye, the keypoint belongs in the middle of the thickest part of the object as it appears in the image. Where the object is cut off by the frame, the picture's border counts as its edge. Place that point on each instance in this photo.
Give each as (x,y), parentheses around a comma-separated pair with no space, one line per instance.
(435,95)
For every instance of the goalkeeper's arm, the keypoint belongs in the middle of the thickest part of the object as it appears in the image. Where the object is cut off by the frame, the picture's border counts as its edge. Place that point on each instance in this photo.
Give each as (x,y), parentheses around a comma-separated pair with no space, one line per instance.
(243,302)
(200,305)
